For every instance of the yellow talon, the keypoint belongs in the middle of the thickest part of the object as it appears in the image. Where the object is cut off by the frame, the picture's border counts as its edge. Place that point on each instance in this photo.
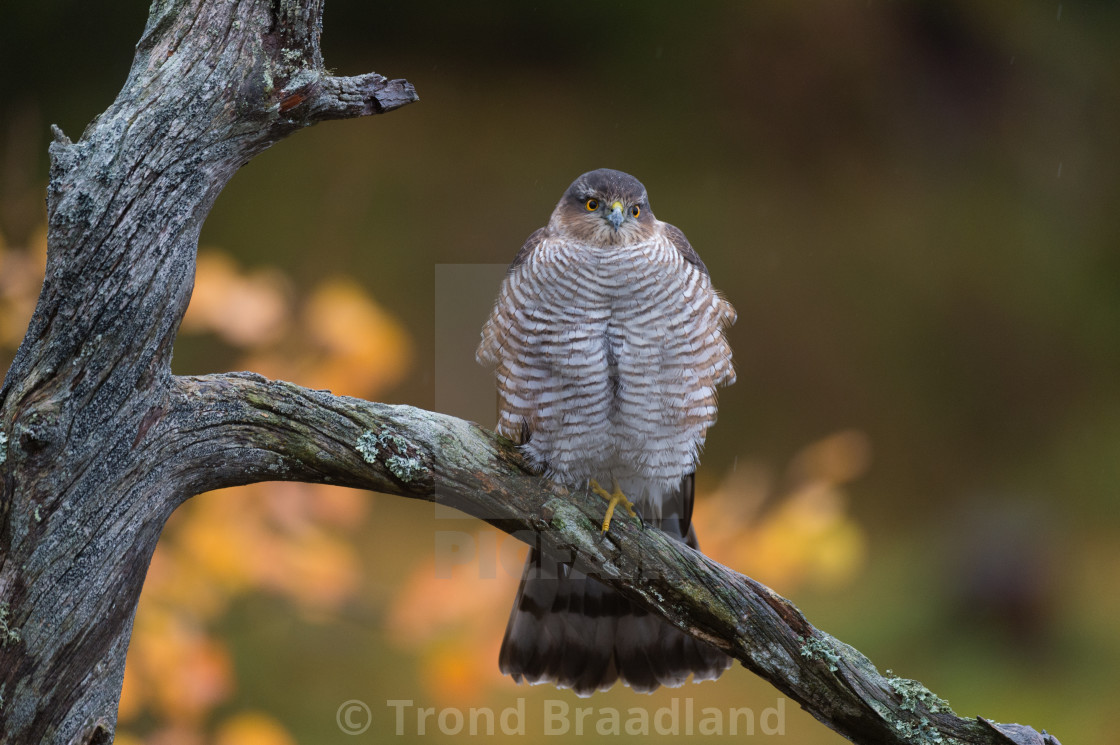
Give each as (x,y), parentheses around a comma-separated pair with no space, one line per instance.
(613,500)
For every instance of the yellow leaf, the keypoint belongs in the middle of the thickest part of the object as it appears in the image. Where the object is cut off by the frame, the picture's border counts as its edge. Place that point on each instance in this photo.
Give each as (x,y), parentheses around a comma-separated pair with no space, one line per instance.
(252,728)
(837,459)
(245,309)
(365,348)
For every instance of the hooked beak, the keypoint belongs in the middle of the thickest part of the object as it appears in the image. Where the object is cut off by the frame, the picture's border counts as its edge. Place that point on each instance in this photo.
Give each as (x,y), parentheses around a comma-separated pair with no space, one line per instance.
(616,217)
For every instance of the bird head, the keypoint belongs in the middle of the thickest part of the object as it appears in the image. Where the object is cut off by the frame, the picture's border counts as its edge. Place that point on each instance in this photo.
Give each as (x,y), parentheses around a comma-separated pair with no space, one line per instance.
(606,207)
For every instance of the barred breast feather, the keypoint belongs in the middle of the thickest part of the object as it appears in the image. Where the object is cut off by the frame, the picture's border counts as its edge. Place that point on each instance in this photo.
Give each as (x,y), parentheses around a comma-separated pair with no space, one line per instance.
(608,357)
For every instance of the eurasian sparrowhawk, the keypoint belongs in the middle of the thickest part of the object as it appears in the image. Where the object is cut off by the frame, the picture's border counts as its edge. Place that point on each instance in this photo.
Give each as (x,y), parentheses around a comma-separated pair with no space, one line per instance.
(607,339)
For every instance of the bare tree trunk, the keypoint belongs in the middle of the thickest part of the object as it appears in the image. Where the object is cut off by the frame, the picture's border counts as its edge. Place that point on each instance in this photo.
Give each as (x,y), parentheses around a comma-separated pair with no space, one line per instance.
(99,442)
(92,470)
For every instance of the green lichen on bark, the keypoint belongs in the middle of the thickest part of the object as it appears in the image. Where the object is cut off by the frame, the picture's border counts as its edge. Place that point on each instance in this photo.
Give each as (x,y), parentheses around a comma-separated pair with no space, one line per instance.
(818,649)
(8,634)
(914,693)
(398,454)
(922,733)
(405,469)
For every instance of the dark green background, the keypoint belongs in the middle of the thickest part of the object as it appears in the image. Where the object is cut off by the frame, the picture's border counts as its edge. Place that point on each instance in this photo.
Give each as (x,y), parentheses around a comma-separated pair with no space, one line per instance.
(913,206)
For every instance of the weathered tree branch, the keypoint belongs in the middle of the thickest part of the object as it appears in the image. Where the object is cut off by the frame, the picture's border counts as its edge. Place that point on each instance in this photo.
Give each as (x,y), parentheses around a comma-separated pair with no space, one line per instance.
(240,427)
(99,442)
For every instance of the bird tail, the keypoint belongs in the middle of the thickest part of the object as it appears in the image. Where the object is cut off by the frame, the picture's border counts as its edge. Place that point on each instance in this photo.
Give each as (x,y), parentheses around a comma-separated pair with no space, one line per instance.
(577,633)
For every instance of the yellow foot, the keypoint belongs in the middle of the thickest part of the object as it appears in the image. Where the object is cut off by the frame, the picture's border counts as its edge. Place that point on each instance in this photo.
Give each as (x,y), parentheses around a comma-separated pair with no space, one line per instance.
(613,500)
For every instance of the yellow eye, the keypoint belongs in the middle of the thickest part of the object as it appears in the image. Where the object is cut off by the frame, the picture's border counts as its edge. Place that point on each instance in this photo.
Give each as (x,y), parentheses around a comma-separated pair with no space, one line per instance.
(635,211)
(592,205)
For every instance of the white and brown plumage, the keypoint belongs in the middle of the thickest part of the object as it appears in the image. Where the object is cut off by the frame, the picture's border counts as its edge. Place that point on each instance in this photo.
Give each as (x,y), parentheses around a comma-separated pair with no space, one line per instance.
(607,341)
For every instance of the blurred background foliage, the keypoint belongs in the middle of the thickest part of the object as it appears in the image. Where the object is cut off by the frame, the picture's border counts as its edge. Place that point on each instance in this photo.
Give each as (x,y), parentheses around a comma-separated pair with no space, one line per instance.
(912,206)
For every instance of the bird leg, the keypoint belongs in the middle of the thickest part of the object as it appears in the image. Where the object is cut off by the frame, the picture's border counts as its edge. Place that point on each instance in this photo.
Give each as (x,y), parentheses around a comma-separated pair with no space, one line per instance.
(613,500)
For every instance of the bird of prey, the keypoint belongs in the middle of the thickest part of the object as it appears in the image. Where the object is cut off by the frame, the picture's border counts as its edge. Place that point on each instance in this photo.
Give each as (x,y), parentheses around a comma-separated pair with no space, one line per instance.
(608,345)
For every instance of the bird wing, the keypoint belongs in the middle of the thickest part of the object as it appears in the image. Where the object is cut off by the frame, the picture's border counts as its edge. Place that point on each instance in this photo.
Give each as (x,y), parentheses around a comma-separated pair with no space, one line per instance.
(531,244)
(680,242)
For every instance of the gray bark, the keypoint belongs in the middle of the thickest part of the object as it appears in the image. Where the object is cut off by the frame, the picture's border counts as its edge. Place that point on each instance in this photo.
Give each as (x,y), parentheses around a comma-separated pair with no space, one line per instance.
(99,442)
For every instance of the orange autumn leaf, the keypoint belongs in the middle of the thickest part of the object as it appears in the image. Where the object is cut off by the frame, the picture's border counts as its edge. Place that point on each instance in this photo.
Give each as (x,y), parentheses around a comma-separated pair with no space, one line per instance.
(21,276)
(365,349)
(244,308)
(453,615)
(184,673)
(837,459)
(438,600)
(123,738)
(252,728)
(804,535)
(450,669)
(317,570)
